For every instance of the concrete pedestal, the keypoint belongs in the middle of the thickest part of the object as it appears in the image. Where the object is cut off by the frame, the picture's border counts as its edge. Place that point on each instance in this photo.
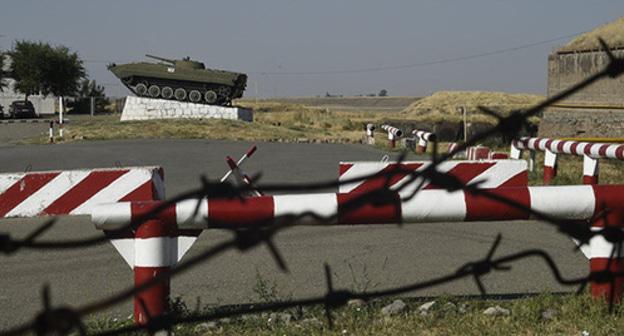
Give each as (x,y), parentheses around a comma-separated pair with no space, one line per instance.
(139,108)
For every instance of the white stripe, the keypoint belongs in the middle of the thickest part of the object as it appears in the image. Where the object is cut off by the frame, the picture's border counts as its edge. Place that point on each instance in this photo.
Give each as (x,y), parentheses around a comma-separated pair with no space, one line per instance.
(154,252)
(7,180)
(50,192)
(550,159)
(599,247)
(125,247)
(590,166)
(567,147)
(610,152)
(594,150)
(553,146)
(499,173)
(325,205)
(184,244)
(434,206)
(111,216)
(192,211)
(119,188)
(580,148)
(564,202)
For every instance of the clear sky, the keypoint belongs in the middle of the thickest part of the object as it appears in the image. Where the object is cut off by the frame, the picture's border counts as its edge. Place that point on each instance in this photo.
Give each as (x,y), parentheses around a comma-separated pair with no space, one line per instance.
(306,48)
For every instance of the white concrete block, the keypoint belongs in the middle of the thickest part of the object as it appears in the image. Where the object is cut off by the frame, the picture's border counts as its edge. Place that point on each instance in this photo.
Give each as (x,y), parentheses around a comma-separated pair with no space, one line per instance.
(138,108)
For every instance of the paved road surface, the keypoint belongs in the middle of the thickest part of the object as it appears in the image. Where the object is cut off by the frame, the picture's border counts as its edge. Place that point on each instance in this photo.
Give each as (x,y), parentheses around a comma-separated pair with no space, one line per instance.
(362,257)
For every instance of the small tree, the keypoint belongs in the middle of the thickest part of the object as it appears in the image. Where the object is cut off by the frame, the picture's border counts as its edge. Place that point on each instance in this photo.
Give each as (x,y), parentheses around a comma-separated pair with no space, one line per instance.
(383,93)
(87,89)
(39,68)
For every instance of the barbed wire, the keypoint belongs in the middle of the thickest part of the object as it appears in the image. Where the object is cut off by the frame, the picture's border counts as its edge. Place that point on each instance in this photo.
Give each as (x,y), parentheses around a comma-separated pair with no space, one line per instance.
(62,320)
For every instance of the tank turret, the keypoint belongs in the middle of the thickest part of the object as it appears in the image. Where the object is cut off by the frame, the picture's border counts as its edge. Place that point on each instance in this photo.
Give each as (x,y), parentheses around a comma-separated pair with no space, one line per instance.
(181,79)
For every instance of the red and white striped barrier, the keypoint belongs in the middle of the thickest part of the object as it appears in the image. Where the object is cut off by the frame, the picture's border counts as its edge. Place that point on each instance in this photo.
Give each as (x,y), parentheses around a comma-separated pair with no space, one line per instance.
(423,139)
(492,174)
(591,153)
(75,192)
(563,202)
(427,206)
(478,153)
(393,134)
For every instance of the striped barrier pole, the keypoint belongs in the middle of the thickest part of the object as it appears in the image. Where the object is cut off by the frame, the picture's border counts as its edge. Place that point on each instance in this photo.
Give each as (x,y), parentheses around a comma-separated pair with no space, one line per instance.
(591,153)
(580,202)
(240,161)
(423,139)
(51,132)
(393,134)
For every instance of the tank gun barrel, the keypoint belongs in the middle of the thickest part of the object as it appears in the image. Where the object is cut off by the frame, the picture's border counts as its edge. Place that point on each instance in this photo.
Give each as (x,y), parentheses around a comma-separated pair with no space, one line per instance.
(160,58)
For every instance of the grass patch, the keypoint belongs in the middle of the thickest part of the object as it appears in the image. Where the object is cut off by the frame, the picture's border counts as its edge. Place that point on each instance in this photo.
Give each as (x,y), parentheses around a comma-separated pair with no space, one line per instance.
(567,315)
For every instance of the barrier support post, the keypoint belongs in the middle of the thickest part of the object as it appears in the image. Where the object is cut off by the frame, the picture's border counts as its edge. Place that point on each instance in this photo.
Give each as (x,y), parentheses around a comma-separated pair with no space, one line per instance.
(51,132)
(590,170)
(153,251)
(515,153)
(531,161)
(601,251)
(422,146)
(550,166)
(391,140)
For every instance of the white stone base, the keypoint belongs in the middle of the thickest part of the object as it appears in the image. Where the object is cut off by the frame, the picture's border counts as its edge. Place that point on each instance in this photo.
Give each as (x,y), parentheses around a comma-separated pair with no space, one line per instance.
(138,108)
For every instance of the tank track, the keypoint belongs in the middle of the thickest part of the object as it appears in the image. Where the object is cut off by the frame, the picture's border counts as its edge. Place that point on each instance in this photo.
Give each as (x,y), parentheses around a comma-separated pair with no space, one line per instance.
(199,93)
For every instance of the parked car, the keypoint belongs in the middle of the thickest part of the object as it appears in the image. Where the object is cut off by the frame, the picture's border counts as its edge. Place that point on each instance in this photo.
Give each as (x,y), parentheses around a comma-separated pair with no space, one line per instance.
(22,109)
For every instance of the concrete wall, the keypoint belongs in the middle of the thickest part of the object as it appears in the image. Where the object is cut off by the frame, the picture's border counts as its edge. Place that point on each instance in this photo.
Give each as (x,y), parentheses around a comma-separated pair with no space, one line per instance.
(575,117)
(137,108)
(565,70)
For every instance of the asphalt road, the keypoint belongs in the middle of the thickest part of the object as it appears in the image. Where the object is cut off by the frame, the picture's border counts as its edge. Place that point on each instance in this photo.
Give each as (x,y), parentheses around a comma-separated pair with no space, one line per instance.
(361,257)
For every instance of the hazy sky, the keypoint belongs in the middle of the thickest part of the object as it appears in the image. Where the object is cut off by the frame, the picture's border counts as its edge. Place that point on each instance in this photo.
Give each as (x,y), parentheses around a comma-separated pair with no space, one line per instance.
(288,46)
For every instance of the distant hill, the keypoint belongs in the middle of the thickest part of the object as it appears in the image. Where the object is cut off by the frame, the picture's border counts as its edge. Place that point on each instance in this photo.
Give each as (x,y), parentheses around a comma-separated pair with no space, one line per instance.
(443,104)
(372,104)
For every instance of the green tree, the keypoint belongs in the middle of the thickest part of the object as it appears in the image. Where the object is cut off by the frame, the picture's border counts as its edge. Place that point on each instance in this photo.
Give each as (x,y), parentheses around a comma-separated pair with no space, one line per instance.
(87,89)
(383,93)
(39,68)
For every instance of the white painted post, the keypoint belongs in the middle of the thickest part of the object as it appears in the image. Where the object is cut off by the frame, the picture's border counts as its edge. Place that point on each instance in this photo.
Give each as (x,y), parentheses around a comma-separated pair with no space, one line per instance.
(92,106)
(61,117)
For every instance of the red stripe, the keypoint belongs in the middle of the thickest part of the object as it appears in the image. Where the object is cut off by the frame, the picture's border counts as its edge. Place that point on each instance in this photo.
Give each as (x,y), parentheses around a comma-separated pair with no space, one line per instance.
(465,172)
(548,143)
(608,197)
(227,213)
(560,146)
(23,189)
(155,298)
(587,149)
(520,180)
(156,228)
(351,211)
(619,152)
(485,208)
(82,192)
(573,148)
(398,172)
(343,167)
(604,290)
(603,150)
(146,192)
